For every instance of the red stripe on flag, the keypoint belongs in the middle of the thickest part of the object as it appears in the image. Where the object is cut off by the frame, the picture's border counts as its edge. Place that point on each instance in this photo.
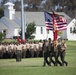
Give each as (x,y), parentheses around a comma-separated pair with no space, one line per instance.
(59,21)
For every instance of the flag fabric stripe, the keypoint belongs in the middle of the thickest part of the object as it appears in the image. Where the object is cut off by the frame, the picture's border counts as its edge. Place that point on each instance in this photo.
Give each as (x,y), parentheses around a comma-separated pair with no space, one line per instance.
(55,35)
(48,20)
(59,22)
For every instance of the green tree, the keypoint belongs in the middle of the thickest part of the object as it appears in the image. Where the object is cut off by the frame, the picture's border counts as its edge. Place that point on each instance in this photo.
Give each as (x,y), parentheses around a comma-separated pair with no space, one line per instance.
(30,30)
(17,5)
(1,12)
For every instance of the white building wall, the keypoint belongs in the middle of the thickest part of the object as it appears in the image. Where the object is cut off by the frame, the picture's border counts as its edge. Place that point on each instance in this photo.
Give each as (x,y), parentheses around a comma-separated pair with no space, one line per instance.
(9,10)
(64,34)
(50,35)
(11,14)
(71,36)
(44,35)
(10,33)
(16,32)
(38,34)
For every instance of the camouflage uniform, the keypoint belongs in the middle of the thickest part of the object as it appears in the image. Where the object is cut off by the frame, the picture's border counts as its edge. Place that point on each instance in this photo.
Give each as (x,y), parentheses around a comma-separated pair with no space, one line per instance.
(40,49)
(19,52)
(45,53)
(11,50)
(6,50)
(32,49)
(27,50)
(58,54)
(1,50)
(63,52)
(36,50)
(23,50)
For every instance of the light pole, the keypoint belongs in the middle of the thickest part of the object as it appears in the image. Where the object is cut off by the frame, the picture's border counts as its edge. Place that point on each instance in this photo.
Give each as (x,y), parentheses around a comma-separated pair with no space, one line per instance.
(22,22)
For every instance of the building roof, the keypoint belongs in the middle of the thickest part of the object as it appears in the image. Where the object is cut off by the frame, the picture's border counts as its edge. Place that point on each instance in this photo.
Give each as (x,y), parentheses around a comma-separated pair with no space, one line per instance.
(9,3)
(2,26)
(63,15)
(11,22)
(38,17)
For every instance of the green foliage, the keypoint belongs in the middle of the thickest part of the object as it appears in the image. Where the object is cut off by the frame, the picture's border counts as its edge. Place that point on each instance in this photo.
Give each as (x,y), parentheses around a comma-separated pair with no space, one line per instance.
(59,33)
(1,36)
(30,30)
(9,41)
(1,12)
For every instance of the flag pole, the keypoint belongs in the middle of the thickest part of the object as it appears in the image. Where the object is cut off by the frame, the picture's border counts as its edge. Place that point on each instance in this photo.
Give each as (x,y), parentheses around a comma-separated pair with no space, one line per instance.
(22,22)
(54,31)
(46,34)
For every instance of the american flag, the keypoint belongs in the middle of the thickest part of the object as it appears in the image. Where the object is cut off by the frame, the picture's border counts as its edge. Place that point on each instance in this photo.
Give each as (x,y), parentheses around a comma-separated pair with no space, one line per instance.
(59,22)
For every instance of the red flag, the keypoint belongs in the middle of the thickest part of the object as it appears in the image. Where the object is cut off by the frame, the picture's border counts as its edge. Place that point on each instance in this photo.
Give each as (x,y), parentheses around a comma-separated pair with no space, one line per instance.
(18,40)
(54,28)
(55,35)
(54,22)
(59,21)
(23,41)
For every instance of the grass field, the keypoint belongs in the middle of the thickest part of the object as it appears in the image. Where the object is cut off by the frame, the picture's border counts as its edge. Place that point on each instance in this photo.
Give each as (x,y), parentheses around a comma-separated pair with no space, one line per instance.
(33,66)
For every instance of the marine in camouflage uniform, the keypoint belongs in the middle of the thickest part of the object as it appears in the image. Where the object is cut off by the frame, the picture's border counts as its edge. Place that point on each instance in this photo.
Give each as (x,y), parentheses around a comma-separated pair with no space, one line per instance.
(32,49)
(1,50)
(51,51)
(40,48)
(45,53)
(11,50)
(18,52)
(63,52)
(58,54)
(23,50)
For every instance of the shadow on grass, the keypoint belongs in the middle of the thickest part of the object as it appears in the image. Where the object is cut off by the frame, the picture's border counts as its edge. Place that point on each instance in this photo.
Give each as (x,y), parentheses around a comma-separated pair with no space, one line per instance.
(19,64)
(32,66)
